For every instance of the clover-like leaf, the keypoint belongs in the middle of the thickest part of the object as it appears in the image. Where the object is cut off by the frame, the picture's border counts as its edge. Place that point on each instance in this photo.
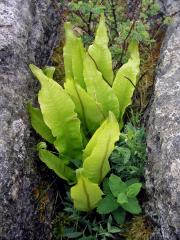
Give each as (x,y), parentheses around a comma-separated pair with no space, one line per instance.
(107,205)
(119,215)
(134,189)
(132,206)
(122,198)
(116,185)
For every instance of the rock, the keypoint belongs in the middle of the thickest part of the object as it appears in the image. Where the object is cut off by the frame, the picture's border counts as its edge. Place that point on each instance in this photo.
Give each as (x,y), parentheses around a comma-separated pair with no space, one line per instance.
(170,7)
(28,32)
(163,135)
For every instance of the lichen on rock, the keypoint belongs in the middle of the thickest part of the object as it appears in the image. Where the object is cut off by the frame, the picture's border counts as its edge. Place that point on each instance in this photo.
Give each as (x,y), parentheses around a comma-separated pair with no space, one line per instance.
(163,138)
(28,33)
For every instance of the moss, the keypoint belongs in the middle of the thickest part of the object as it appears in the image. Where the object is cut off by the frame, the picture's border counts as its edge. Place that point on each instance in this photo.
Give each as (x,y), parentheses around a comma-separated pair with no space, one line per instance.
(61,221)
(57,59)
(149,59)
(42,197)
(138,229)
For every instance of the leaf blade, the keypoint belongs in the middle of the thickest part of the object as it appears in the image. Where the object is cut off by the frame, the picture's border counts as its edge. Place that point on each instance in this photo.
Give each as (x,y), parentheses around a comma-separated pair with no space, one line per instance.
(122,198)
(107,205)
(85,106)
(119,215)
(116,185)
(82,196)
(58,112)
(99,148)
(99,51)
(99,89)
(49,71)
(134,189)
(73,53)
(132,206)
(57,165)
(39,125)
(126,79)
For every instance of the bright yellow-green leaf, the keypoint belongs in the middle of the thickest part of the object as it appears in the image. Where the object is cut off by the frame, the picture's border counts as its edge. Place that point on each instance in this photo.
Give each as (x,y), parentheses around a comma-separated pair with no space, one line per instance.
(57,165)
(39,125)
(77,62)
(49,71)
(99,51)
(99,89)
(99,148)
(73,53)
(58,113)
(67,50)
(85,194)
(126,78)
(90,112)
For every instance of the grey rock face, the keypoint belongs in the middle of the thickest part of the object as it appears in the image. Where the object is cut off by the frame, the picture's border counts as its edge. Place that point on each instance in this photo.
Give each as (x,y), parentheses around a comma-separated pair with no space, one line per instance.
(163,141)
(28,31)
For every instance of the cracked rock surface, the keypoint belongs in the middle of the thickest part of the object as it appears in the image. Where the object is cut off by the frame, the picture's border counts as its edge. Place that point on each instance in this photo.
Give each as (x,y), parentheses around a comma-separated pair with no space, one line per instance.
(28,31)
(163,137)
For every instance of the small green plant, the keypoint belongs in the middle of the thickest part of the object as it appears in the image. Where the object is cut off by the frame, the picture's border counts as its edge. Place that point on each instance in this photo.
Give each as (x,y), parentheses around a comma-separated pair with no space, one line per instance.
(120,197)
(129,156)
(125,23)
(72,224)
(83,120)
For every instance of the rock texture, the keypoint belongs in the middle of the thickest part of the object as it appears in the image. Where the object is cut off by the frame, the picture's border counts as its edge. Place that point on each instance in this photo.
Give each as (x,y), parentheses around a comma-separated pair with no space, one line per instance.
(28,31)
(163,138)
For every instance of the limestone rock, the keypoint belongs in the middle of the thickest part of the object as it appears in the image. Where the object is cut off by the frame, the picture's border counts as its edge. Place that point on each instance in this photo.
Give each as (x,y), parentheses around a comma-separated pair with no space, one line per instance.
(28,31)
(163,137)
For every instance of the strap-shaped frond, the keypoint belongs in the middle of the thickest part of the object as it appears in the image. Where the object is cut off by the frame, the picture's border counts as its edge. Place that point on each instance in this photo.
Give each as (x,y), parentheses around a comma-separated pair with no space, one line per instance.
(59,114)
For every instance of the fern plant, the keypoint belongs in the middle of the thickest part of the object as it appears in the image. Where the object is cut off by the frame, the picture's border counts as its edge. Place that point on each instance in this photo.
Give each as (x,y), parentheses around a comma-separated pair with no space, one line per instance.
(83,120)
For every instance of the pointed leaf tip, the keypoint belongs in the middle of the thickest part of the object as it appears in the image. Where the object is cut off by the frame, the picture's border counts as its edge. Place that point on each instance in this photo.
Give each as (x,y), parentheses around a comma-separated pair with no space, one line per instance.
(126,79)
(100,52)
(34,67)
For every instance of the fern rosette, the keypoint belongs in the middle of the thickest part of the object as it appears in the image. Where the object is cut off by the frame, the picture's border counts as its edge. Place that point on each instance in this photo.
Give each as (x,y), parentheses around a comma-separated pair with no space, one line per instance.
(83,119)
